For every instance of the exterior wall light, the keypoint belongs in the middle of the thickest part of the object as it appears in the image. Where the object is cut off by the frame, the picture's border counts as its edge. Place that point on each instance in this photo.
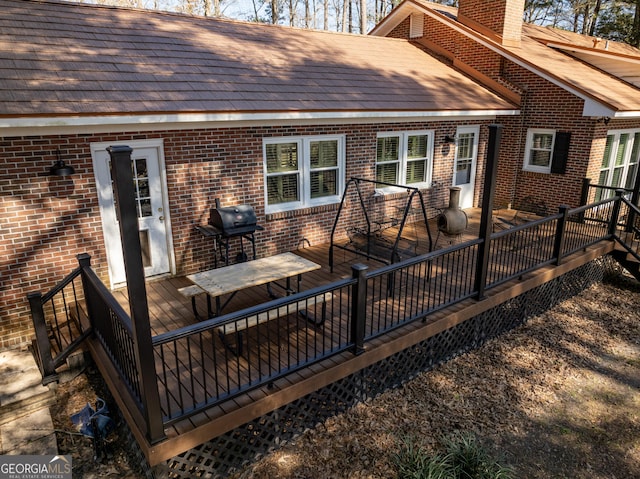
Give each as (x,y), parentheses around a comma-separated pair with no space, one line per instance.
(59,168)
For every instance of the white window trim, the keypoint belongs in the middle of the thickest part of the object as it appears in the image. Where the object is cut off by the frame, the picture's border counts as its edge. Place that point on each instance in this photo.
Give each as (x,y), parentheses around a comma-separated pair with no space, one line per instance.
(533,168)
(402,175)
(304,172)
(614,151)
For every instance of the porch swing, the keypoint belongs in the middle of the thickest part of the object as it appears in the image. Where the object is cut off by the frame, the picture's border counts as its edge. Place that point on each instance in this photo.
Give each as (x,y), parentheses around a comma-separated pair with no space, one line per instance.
(368,226)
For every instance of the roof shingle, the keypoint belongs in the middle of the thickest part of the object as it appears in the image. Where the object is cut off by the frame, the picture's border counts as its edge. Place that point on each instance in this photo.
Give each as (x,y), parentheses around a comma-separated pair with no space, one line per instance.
(69,59)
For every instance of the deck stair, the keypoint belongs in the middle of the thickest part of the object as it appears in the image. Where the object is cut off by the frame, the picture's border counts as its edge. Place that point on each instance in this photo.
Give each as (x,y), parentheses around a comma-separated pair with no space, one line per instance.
(627,260)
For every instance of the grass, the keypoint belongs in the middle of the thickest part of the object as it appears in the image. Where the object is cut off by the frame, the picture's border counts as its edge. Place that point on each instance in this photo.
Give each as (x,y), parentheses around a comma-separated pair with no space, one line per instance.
(464,457)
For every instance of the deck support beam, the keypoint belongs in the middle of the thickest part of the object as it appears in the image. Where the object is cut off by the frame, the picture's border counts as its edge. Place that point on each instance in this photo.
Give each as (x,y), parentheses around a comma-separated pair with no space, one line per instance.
(134,271)
(486,220)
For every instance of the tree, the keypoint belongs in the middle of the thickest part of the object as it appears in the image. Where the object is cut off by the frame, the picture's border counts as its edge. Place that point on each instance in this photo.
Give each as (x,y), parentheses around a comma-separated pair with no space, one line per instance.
(620,22)
(611,19)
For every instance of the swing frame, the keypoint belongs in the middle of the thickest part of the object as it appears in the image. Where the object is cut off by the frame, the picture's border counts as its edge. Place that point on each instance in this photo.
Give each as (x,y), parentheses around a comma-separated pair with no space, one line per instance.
(373,245)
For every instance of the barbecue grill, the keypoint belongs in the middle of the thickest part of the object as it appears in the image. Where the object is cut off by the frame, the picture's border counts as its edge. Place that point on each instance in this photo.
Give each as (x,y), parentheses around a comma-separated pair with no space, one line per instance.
(233,220)
(230,222)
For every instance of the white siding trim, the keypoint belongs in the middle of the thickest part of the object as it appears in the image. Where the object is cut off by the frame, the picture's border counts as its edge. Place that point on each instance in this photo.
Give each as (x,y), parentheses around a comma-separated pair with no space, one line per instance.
(105,124)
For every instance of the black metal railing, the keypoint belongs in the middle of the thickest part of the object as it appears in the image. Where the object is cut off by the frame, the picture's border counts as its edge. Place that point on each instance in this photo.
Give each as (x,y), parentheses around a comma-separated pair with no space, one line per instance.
(78,307)
(205,364)
(59,323)
(199,367)
(217,359)
(594,193)
(112,327)
(629,237)
(398,294)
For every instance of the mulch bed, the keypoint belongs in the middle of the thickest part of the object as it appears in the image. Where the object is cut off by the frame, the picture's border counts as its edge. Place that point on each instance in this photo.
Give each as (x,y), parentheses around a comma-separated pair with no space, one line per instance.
(557,397)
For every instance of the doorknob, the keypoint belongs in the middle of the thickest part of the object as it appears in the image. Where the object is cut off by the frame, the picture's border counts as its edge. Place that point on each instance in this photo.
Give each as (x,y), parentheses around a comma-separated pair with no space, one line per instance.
(161,218)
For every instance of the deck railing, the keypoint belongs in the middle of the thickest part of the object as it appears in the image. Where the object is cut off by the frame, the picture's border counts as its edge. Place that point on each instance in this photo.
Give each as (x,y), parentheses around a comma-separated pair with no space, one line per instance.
(631,232)
(197,367)
(112,327)
(78,307)
(59,324)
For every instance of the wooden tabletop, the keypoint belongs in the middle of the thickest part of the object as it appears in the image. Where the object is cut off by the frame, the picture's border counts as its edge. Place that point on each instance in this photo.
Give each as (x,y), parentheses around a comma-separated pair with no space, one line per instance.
(235,277)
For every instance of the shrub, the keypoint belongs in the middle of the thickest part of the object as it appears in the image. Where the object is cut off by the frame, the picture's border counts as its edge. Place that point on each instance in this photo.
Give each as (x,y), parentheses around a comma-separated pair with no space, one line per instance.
(464,458)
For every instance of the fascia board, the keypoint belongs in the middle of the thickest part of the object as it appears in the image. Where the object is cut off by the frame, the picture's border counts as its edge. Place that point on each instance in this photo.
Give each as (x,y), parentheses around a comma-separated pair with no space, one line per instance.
(105,124)
(596,53)
(626,114)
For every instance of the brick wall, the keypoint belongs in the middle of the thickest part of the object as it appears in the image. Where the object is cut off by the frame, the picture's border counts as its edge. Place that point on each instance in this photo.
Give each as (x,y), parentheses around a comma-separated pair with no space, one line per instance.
(46,221)
(503,17)
(544,105)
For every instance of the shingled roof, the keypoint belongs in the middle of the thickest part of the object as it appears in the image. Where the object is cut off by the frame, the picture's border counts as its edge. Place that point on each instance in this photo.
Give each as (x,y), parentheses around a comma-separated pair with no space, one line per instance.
(68,59)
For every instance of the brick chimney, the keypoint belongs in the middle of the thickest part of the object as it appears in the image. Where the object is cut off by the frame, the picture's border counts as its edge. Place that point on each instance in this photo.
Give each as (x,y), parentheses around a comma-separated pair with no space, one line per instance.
(500,19)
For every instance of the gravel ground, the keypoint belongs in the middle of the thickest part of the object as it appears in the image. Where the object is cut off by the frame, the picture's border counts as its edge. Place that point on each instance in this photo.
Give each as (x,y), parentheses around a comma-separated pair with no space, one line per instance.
(555,398)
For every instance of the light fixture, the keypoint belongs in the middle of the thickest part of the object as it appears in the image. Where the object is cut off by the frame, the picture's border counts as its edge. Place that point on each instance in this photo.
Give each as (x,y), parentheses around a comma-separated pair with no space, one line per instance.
(59,168)
(450,139)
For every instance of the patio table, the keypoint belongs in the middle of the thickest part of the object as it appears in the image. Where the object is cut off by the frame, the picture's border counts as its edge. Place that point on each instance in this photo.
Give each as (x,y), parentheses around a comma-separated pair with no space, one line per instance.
(233,278)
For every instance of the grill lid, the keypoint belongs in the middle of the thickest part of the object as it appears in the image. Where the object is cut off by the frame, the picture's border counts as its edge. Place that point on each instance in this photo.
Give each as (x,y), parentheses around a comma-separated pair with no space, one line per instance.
(234,219)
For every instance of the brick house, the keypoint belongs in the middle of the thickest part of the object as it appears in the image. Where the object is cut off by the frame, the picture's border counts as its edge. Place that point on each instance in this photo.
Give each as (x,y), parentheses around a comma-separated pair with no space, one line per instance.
(579,96)
(211,108)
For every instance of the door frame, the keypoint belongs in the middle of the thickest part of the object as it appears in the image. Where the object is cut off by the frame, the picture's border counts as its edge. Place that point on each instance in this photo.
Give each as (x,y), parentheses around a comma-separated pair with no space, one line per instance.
(475,129)
(158,145)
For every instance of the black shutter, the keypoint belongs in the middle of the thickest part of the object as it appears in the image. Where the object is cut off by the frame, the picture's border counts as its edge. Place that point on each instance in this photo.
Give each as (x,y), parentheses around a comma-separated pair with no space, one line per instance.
(560,152)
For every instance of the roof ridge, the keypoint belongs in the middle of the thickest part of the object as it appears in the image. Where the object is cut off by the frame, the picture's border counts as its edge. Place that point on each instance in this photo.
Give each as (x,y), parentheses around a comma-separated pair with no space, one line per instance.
(200,18)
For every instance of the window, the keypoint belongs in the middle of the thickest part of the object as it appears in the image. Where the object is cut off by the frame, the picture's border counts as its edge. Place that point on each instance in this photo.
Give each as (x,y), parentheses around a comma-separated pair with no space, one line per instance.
(539,152)
(619,162)
(547,151)
(303,171)
(404,158)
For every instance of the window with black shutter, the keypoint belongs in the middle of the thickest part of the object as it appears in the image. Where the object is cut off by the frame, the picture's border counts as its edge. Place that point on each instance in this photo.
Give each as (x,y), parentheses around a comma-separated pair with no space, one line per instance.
(560,152)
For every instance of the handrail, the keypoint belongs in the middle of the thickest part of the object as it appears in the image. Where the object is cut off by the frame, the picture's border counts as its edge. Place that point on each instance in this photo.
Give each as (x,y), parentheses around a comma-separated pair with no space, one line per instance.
(67,333)
(632,230)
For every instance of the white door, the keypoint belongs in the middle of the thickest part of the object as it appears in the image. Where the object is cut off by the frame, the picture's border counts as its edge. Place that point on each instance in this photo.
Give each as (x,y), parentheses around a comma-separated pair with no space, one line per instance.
(153,220)
(464,170)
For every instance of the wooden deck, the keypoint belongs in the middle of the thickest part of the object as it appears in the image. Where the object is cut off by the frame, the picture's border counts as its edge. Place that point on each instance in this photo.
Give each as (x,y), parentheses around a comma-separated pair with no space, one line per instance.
(169,310)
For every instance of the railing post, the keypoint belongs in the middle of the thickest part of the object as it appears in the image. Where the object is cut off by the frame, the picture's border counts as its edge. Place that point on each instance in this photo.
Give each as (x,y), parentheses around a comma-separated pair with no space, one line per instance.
(134,272)
(358,307)
(635,198)
(49,374)
(84,261)
(560,229)
(615,214)
(486,220)
(584,196)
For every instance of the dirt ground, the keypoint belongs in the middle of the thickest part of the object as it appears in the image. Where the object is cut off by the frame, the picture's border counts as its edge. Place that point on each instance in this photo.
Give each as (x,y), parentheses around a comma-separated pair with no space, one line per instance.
(557,398)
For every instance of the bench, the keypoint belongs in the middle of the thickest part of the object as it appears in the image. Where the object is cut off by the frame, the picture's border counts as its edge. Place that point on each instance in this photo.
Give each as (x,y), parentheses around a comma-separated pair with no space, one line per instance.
(191,292)
(380,248)
(237,327)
